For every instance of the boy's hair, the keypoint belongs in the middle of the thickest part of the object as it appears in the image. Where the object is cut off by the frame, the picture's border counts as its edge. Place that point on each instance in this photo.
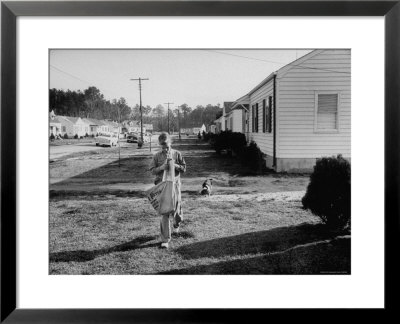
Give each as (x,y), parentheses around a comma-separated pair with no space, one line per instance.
(164,138)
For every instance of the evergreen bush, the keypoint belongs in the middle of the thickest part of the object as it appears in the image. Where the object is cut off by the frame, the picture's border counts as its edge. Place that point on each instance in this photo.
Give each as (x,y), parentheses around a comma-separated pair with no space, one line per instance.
(222,141)
(76,136)
(52,137)
(252,157)
(329,192)
(65,136)
(235,142)
(207,136)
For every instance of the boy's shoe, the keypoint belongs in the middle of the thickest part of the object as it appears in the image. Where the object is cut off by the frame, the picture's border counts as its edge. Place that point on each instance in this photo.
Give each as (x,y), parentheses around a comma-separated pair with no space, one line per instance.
(176,229)
(164,245)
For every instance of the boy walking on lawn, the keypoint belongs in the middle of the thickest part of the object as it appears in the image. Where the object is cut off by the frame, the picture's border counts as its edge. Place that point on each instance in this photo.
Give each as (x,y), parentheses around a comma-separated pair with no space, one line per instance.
(157,167)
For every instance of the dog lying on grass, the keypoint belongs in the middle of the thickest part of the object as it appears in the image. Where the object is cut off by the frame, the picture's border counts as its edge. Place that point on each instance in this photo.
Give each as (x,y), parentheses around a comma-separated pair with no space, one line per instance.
(206,187)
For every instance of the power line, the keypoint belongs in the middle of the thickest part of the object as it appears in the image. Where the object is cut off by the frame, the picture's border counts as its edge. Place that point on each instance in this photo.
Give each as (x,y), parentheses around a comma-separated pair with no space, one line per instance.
(274,62)
(112,92)
(69,74)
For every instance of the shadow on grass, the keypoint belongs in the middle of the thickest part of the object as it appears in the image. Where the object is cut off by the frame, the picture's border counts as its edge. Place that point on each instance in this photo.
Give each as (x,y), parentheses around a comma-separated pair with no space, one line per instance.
(79,195)
(323,257)
(84,256)
(270,241)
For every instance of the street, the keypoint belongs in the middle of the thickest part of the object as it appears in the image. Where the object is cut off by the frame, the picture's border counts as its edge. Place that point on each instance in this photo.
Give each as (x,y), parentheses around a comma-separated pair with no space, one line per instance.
(59,151)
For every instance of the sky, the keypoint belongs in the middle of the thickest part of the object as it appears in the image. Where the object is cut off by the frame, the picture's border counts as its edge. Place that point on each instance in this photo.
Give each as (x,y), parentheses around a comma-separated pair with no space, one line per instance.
(195,77)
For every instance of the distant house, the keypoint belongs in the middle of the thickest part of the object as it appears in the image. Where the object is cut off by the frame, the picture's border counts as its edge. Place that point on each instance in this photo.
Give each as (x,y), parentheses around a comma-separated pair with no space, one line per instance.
(218,124)
(222,122)
(236,117)
(79,127)
(54,124)
(133,126)
(196,130)
(225,111)
(187,131)
(113,126)
(213,129)
(302,112)
(93,125)
(67,126)
(103,127)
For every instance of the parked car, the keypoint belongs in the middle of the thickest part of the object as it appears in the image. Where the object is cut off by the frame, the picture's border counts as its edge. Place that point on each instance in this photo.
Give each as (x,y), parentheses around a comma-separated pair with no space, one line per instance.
(107,140)
(132,138)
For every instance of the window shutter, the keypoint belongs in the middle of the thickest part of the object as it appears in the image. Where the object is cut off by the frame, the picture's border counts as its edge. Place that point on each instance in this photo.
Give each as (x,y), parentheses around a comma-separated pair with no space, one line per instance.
(257,117)
(269,114)
(252,118)
(264,116)
(327,111)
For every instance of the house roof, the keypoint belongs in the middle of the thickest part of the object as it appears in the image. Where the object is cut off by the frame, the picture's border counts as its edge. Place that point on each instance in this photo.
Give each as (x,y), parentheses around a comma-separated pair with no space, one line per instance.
(242,103)
(91,121)
(53,119)
(227,106)
(285,69)
(218,119)
(65,120)
(72,119)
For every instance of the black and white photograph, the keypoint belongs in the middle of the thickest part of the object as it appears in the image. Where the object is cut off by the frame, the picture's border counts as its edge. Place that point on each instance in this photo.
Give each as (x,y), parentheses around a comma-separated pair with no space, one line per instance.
(208,161)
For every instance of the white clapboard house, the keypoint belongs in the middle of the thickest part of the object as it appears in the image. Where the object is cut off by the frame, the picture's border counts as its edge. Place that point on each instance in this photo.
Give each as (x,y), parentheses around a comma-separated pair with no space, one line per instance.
(302,112)
(236,117)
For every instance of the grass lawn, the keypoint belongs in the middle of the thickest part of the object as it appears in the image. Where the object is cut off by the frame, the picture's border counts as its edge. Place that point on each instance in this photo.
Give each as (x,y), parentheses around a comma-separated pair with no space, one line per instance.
(70,141)
(252,224)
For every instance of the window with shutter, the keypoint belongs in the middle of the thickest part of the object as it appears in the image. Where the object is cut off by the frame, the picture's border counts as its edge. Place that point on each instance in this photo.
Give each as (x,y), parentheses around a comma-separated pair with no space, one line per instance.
(269,114)
(264,117)
(327,112)
(256,119)
(253,118)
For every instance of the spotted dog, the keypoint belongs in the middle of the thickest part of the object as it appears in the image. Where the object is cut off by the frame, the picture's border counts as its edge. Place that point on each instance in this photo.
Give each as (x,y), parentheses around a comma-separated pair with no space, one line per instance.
(206,187)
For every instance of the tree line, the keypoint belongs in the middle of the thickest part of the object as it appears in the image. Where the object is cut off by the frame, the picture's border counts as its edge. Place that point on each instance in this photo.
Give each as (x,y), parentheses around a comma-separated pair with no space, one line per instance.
(90,103)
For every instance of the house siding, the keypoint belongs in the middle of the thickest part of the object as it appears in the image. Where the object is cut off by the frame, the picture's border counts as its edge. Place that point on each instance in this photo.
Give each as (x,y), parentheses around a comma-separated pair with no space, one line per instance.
(81,128)
(235,121)
(66,126)
(296,135)
(263,140)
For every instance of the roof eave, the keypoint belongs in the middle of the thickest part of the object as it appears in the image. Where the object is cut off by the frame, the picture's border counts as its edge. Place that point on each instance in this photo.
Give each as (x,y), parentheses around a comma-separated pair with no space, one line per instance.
(263,82)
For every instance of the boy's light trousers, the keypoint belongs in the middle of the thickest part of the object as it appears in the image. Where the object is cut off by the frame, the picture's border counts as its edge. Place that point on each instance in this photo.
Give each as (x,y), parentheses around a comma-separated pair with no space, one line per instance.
(165,224)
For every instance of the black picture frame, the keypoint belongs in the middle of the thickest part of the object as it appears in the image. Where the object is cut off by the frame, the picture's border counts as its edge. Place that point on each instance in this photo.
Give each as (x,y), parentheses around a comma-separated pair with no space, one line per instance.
(10,10)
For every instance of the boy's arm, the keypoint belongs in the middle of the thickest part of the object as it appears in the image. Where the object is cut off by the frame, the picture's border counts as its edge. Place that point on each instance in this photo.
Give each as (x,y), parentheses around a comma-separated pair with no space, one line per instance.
(180,164)
(155,170)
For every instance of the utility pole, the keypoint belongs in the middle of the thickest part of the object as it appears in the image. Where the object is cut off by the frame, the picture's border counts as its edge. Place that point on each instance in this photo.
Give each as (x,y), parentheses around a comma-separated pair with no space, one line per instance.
(119,141)
(141,114)
(168,103)
(179,122)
